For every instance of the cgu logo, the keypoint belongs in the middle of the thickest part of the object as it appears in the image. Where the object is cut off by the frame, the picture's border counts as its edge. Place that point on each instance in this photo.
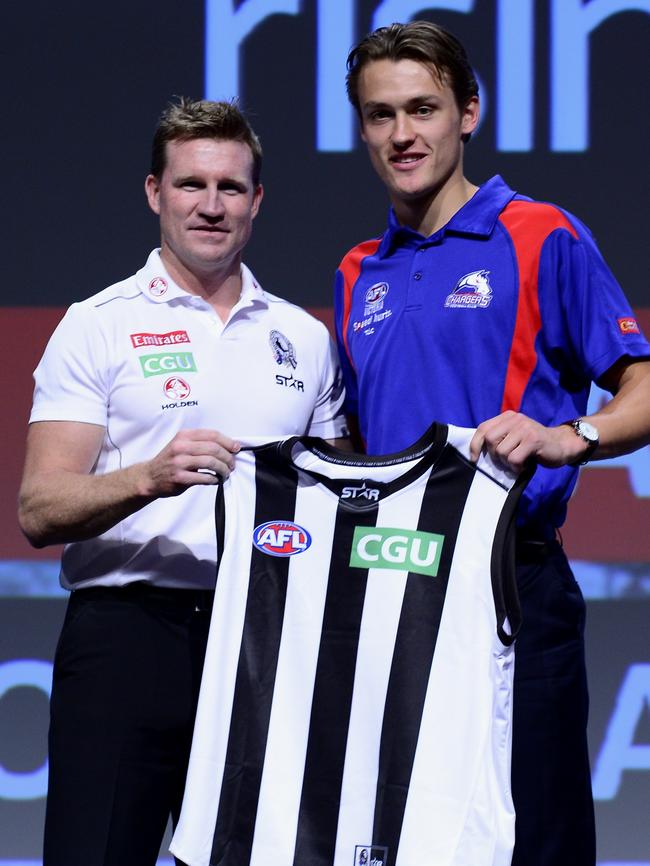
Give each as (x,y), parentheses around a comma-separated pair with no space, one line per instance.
(398,549)
(362,492)
(281,538)
(163,364)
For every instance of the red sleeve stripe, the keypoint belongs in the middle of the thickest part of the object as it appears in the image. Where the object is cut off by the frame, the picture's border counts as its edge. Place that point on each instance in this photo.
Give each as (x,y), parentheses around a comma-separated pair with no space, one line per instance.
(350,268)
(528,224)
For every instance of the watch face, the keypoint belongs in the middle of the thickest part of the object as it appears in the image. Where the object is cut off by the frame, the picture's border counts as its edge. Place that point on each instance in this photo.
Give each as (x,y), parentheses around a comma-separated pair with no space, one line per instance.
(587,431)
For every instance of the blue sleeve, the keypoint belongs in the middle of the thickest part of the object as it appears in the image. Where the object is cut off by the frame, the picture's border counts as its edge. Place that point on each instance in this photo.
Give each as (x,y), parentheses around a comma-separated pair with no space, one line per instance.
(349,374)
(588,322)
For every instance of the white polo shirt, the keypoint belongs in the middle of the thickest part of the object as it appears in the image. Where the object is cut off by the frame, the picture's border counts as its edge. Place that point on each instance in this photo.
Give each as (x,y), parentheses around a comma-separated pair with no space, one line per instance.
(145,359)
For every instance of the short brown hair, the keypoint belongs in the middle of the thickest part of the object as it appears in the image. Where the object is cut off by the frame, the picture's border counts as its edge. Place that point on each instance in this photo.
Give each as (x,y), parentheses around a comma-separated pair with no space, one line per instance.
(188,119)
(423,41)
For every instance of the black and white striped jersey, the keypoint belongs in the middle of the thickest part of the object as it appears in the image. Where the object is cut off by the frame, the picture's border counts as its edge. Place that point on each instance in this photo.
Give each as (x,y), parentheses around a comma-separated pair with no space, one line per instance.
(355,708)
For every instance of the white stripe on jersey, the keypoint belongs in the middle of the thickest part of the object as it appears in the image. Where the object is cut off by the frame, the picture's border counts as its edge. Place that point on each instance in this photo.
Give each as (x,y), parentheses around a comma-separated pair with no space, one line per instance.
(277,814)
(220,670)
(381,613)
(435,820)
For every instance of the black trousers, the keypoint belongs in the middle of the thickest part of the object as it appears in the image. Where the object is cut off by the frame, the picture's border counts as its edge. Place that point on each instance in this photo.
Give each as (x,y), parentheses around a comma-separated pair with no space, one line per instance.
(126,678)
(551,782)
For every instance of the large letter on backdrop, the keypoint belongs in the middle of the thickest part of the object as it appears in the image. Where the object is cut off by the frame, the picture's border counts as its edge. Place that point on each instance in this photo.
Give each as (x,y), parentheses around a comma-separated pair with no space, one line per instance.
(572,22)
(619,751)
(225,30)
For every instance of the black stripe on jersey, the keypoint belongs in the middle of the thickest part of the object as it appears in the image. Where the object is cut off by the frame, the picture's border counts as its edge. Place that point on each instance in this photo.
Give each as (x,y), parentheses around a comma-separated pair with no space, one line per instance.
(258,658)
(332,699)
(502,563)
(415,643)
(220,521)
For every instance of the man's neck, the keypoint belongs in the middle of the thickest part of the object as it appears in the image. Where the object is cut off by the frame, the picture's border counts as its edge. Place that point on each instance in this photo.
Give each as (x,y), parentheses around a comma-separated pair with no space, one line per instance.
(428,215)
(221,288)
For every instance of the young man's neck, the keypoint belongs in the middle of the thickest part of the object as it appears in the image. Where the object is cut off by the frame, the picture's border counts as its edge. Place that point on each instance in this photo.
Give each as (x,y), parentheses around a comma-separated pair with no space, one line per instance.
(428,215)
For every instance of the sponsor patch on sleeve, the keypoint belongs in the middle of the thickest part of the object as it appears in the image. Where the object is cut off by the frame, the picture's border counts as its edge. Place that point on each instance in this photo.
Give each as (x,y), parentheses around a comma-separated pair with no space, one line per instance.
(628,325)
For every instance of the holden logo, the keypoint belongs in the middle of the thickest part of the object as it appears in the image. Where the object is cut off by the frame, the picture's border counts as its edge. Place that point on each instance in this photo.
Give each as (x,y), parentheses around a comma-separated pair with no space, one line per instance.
(157,287)
(281,538)
(176,388)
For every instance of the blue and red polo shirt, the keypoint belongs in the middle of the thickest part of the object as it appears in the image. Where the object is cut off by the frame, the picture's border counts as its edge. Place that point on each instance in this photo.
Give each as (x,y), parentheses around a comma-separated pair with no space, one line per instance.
(509,306)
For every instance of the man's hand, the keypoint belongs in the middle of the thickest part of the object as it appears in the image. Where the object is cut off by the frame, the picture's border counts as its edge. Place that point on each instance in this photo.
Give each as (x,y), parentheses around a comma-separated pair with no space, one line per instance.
(192,457)
(514,440)
(61,500)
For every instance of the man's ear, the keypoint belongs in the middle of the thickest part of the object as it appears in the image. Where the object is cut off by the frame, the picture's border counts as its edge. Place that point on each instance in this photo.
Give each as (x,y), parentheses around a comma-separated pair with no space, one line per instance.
(470,115)
(152,191)
(258,195)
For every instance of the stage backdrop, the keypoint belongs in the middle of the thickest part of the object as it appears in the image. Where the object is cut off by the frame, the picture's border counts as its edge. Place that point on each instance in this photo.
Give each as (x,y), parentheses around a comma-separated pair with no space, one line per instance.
(564,87)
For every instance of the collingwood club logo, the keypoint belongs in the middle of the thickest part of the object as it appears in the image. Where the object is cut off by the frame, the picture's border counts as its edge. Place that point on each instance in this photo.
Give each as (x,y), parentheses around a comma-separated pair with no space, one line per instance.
(285,355)
(370,855)
(283,350)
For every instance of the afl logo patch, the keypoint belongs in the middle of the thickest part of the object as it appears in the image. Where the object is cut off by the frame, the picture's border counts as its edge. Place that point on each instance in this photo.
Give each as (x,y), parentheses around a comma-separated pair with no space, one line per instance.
(374,298)
(281,538)
(157,287)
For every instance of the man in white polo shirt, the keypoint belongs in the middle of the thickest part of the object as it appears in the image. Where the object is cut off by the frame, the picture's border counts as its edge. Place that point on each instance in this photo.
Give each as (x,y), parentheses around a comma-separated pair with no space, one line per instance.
(123,453)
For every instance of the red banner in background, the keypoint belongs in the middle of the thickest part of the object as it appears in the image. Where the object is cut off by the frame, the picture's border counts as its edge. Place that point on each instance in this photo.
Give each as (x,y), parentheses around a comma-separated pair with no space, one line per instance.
(608,520)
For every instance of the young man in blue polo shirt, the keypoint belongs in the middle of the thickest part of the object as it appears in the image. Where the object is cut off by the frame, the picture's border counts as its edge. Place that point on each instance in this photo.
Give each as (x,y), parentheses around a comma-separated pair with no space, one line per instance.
(482,308)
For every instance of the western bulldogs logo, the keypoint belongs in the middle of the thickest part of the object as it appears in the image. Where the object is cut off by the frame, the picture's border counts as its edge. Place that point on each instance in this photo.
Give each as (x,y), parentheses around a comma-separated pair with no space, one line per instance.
(472,291)
(374,298)
(281,538)
(282,349)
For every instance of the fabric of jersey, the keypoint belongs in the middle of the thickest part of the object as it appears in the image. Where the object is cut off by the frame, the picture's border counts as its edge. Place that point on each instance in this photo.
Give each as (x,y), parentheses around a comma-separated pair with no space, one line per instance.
(355,706)
(145,359)
(508,306)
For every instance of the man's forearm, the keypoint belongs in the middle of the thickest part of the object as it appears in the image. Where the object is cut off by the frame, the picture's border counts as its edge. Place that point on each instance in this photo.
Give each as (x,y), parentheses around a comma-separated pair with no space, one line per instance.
(59,507)
(61,500)
(624,422)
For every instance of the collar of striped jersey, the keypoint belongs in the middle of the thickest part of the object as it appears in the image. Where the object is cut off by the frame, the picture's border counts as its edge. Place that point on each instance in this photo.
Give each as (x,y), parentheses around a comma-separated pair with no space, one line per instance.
(422,455)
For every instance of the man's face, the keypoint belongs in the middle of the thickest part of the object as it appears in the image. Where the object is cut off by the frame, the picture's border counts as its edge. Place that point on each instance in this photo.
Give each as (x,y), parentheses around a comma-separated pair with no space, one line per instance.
(206,201)
(413,128)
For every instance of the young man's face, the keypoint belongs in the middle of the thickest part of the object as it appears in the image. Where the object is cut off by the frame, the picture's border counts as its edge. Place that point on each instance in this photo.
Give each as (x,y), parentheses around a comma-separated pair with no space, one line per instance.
(206,200)
(413,128)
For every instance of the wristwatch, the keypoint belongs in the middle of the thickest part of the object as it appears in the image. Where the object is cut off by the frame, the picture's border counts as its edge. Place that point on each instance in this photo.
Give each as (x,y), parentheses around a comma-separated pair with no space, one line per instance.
(588,433)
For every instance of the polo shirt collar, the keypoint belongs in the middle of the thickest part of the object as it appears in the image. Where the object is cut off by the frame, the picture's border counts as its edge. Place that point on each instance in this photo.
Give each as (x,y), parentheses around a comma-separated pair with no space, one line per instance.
(477,217)
(155,284)
(251,291)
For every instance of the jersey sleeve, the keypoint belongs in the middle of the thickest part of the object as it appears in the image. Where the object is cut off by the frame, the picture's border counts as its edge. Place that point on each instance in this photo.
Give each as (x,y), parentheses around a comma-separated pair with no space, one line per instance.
(70,379)
(341,315)
(328,418)
(583,301)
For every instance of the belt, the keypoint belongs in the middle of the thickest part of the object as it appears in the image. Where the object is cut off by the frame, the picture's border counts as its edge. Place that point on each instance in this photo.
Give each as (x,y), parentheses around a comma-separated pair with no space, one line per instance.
(149,593)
